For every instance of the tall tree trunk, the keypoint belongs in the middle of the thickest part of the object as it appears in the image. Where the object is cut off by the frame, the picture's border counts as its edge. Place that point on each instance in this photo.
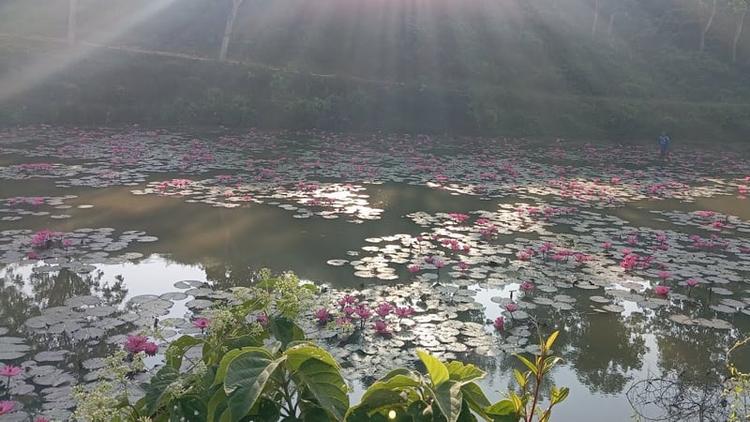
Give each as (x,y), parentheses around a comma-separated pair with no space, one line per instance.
(611,26)
(72,13)
(738,34)
(596,17)
(707,27)
(228,29)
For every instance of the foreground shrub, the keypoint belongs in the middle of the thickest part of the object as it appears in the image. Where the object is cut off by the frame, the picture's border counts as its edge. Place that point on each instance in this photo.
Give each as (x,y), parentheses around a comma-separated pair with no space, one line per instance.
(252,363)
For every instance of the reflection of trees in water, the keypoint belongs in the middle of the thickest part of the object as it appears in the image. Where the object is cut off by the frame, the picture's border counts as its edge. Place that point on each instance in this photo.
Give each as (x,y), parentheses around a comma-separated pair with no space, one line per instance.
(15,305)
(604,348)
(224,275)
(695,352)
(676,397)
(692,361)
(51,289)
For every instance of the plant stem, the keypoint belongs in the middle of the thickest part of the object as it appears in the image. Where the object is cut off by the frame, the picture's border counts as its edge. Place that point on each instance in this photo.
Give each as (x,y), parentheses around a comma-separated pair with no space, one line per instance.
(537,385)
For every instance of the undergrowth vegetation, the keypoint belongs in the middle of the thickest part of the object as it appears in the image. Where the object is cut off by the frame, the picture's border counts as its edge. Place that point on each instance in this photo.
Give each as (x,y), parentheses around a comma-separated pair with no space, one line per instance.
(252,363)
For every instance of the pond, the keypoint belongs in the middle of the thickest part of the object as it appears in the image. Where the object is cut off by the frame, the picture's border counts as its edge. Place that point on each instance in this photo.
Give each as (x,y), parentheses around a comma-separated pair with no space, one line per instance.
(642,264)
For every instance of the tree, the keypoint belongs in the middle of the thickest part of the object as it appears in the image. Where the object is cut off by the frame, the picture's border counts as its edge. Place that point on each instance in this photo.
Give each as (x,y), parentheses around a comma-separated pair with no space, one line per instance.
(740,8)
(72,12)
(228,29)
(707,26)
(596,17)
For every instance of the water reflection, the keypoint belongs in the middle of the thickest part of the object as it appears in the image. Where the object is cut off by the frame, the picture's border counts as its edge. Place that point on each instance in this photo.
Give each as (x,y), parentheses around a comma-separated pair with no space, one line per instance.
(613,350)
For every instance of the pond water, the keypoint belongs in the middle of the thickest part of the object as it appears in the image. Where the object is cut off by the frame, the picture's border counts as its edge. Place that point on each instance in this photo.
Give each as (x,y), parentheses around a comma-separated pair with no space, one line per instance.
(103,230)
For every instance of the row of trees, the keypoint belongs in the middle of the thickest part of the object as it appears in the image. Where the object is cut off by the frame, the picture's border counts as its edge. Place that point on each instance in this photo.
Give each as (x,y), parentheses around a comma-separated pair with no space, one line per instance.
(616,18)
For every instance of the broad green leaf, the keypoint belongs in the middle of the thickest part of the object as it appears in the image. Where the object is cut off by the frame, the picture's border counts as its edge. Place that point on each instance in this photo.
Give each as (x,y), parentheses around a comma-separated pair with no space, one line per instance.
(504,411)
(158,388)
(395,390)
(250,371)
(402,371)
(501,408)
(475,398)
(248,340)
(528,363)
(285,331)
(396,384)
(216,405)
(464,373)
(466,415)
(551,340)
(177,349)
(299,353)
(448,397)
(189,407)
(268,410)
(437,370)
(233,354)
(325,383)
(314,414)
(240,403)
(379,401)
(360,414)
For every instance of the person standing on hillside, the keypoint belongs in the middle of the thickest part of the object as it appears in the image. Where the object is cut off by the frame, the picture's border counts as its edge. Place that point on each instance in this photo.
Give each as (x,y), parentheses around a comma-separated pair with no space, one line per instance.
(664,141)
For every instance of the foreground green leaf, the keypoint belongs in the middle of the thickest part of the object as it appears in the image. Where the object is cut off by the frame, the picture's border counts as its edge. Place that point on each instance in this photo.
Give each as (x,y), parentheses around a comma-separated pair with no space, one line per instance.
(324,382)
(437,370)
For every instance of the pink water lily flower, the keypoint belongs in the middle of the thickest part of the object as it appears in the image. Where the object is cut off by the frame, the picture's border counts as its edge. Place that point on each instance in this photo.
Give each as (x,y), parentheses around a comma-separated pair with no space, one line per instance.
(525,255)
(136,344)
(41,419)
(404,312)
(415,268)
(381,328)
(150,348)
(363,312)
(322,315)
(527,286)
(347,300)
(692,282)
(10,371)
(384,309)
(499,323)
(6,407)
(661,290)
(665,275)
(511,307)
(201,323)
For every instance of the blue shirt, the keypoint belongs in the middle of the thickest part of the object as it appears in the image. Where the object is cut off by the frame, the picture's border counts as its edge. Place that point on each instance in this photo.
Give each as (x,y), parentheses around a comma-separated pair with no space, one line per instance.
(664,141)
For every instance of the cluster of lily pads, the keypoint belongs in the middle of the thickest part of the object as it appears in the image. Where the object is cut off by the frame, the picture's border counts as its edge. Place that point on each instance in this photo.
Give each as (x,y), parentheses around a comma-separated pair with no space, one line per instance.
(305,199)
(491,168)
(65,346)
(629,268)
(16,208)
(85,244)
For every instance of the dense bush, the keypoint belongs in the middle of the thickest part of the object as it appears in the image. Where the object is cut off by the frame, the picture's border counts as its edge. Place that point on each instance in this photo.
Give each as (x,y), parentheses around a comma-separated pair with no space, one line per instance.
(254,364)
